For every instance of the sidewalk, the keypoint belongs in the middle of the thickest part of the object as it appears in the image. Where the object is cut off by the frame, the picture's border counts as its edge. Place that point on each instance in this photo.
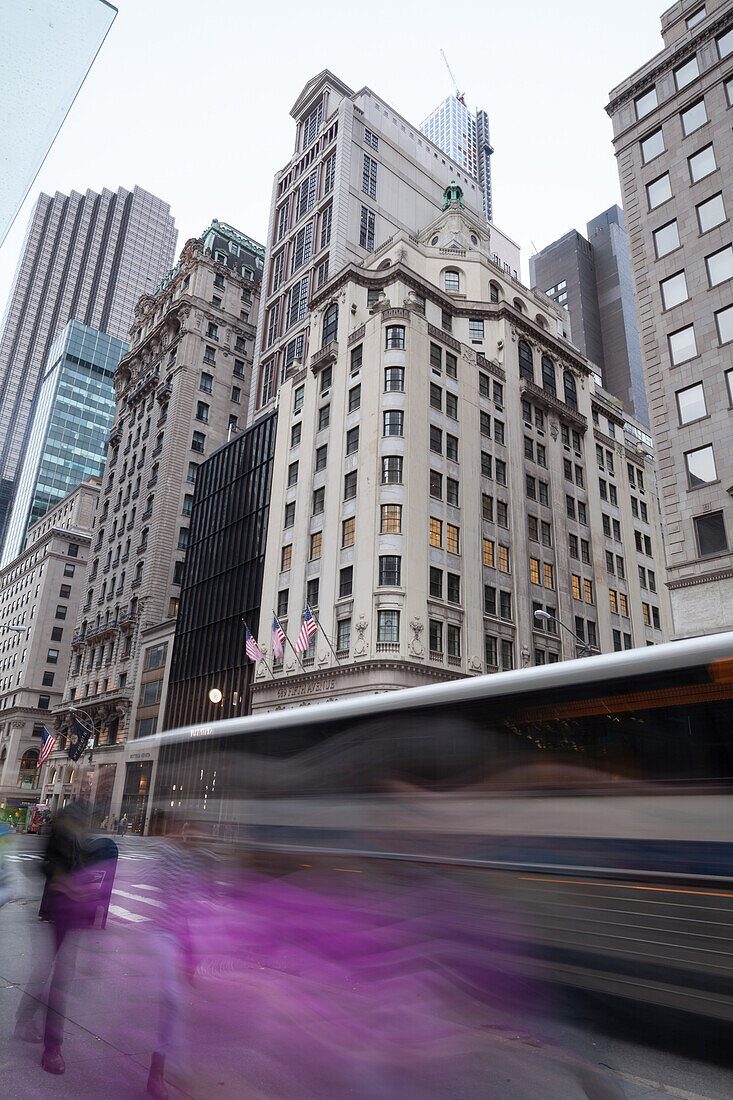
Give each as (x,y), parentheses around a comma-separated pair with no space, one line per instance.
(271,1025)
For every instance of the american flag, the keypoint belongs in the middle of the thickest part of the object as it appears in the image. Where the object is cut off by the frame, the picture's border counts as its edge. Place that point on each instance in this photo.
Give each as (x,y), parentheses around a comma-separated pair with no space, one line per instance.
(251,648)
(278,638)
(48,744)
(307,630)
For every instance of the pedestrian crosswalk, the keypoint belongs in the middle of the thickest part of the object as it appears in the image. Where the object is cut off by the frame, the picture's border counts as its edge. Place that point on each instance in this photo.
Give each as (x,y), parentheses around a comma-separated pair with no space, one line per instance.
(143,908)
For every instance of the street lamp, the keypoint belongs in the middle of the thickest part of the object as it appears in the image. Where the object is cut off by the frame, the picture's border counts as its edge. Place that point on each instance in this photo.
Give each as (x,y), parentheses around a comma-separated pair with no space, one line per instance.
(587,648)
(20,629)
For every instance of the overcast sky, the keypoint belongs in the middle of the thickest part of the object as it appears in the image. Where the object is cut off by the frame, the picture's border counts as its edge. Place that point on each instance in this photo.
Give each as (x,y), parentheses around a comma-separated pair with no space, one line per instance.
(190,99)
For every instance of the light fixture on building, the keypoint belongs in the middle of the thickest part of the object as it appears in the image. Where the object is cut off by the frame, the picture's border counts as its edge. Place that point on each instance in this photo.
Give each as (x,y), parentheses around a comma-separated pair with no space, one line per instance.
(215,695)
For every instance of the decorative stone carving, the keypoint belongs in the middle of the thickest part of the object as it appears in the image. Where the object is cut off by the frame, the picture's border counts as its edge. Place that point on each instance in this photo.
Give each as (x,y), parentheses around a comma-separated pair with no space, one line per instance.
(323,658)
(554,429)
(290,665)
(360,648)
(525,656)
(469,355)
(417,649)
(475,665)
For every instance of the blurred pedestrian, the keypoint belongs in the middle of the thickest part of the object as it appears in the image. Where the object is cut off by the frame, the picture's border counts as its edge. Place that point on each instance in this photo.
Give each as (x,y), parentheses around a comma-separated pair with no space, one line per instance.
(122,827)
(65,905)
(178,874)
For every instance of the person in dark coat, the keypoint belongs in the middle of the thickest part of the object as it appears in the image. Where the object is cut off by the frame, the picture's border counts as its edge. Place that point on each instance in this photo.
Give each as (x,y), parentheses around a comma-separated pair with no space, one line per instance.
(65,905)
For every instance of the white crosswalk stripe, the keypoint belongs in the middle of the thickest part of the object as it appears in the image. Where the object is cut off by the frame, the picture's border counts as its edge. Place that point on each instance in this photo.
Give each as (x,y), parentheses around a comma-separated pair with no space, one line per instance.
(137,897)
(125,914)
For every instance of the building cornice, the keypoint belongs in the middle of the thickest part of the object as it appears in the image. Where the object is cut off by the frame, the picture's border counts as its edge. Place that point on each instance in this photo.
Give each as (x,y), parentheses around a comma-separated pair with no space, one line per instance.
(668,58)
(701,578)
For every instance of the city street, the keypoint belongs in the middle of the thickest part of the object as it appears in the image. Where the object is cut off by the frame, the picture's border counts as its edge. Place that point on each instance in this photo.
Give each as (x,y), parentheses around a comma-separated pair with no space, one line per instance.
(260,1026)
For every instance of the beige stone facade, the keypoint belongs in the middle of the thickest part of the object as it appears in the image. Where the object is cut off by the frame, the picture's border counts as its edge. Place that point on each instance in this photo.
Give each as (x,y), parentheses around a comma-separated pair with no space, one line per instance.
(672,124)
(40,593)
(181,390)
(446,464)
(359,173)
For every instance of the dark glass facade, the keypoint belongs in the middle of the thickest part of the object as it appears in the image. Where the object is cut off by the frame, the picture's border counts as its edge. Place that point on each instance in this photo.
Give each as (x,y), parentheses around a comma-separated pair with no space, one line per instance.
(222,580)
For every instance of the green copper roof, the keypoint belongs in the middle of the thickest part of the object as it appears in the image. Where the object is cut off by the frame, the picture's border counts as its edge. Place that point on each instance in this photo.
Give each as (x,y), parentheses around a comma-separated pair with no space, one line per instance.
(453,193)
(232,234)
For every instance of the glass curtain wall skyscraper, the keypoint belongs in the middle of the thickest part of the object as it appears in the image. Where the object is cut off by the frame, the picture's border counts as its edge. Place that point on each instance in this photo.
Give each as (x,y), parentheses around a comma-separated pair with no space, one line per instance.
(464,136)
(68,438)
(86,258)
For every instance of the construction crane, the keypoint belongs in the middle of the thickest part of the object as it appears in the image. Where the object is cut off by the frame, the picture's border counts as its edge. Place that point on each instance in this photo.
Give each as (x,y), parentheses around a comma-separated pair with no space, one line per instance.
(459,95)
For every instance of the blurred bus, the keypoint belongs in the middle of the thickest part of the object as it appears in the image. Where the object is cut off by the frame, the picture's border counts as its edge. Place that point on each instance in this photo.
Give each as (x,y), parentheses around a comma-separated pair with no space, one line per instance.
(593,794)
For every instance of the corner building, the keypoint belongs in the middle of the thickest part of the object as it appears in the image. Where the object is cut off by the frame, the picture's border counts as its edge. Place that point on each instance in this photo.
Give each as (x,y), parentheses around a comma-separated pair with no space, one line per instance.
(359,173)
(181,391)
(445,466)
(674,144)
(40,592)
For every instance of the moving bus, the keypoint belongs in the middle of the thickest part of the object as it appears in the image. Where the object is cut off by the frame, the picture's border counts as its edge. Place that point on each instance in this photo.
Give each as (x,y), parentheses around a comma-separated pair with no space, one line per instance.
(594,795)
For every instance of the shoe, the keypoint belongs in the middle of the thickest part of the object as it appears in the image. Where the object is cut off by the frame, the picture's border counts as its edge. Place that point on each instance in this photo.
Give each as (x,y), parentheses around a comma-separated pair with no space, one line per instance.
(156,1084)
(27,1032)
(52,1062)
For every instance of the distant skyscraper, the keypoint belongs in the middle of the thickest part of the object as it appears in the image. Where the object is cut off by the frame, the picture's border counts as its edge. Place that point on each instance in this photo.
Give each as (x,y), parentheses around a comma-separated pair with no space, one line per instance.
(465,138)
(72,420)
(592,280)
(86,258)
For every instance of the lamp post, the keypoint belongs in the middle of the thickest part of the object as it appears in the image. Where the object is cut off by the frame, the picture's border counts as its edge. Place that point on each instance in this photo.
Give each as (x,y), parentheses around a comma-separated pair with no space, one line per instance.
(6,626)
(587,648)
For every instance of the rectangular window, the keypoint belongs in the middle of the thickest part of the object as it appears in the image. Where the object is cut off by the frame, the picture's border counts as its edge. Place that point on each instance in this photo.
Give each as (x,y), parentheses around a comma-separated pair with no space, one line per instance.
(289,519)
(436,532)
(206,382)
(452,538)
(490,605)
(326,222)
(366,229)
(356,358)
(487,507)
(548,575)
(507,655)
(395,338)
(451,406)
(451,364)
(724,321)
(312,590)
(343,635)
(674,290)
(394,379)
(694,117)
(702,163)
(354,398)
(390,570)
(321,457)
(352,440)
(682,345)
(645,103)
(476,330)
(725,43)
(505,605)
(613,600)
(666,239)
(436,357)
(720,265)
(202,411)
(391,519)
(346,581)
(454,588)
(659,191)
(435,631)
(392,470)
(317,501)
(454,640)
(451,447)
(700,467)
(486,463)
(293,474)
(286,557)
(488,553)
(436,397)
(652,146)
(691,403)
(500,469)
(282,603)
(684,74)
(324,416)
(393,422)
(575,585)
(451,491)
(711,213)
(350,485)
(710,534)
(490,652)
(388,627)
(436,582)
(369,177)
(348,531)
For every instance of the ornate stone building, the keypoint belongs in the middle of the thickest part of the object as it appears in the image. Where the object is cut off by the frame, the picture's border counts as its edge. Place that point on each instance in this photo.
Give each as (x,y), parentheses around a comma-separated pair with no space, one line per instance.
(40,594)
(181,391)
(446,465)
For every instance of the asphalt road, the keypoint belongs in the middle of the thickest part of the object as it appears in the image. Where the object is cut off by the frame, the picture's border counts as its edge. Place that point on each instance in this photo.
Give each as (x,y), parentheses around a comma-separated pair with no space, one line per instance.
(279,1016)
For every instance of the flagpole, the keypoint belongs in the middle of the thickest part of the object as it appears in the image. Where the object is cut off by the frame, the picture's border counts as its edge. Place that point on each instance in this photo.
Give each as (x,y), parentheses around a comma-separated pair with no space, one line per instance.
(297,655)
(262,658)
(323,632)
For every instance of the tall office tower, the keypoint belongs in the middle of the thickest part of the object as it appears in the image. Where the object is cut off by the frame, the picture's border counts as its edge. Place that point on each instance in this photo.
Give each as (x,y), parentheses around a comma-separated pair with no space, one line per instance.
(86,258)
(40,594)
(71,423)
(464,137)
(445,466)
(673,140)
(591,279)
(181,391)
(359,173)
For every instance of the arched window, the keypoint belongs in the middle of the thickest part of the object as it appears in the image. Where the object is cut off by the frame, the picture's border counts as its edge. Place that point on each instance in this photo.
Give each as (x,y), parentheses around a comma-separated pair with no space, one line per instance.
(494,292)
(330,324)
(571,390)
(541,321)
(526,363)
(384,265)
(519,305)
(28,773)
(548,376)
(452,280)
